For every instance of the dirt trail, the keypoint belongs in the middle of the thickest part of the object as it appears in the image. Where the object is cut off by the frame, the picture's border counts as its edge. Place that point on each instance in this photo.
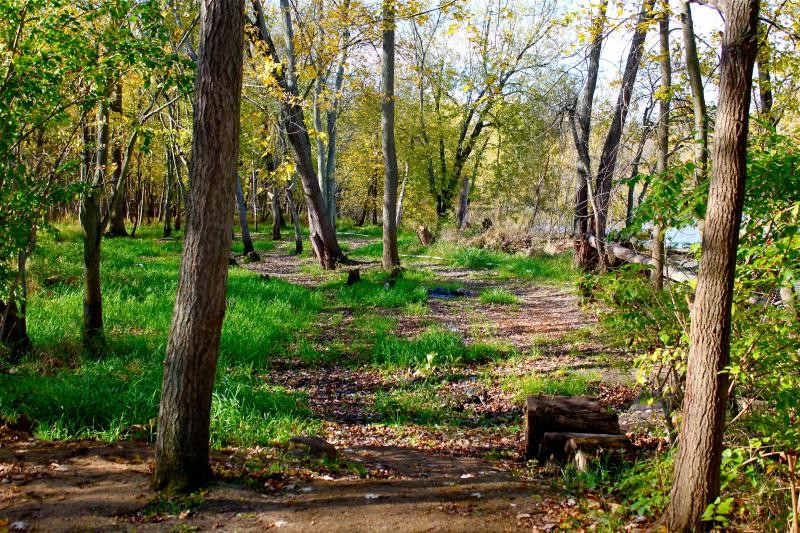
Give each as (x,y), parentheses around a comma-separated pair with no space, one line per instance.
(86,485)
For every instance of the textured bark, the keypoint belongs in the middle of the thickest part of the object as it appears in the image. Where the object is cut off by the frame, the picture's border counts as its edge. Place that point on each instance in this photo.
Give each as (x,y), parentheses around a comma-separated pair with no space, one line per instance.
(608,159)
(293,123)
(247,241)
(583,124)
(116,227)
(182,444)
(298,236)
(402,196)
(658,250)
(91,220)
(391,257)
(697,468)
(276,213)
(170,164)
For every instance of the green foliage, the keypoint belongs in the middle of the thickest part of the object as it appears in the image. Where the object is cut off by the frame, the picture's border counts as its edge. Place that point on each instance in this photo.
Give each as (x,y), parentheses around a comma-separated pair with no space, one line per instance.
(422,405)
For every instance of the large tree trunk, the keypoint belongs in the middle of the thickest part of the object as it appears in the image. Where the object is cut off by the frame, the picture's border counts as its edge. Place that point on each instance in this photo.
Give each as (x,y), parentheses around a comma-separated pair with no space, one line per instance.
(116,227)
(658,249)
(608,159)
(247,241)
(391,257)
(697,468)
(582,129)
(182,444)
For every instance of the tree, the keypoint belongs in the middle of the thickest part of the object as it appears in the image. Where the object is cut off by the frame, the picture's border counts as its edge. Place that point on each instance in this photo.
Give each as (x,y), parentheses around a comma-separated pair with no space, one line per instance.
(697,468)
(664,97)
(391,257)
(608,158)
(182,445)
(241,207)
(323,234)
(581,126)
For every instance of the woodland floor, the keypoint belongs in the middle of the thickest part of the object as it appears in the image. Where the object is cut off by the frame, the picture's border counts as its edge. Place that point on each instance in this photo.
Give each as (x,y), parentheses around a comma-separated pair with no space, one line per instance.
(407,476)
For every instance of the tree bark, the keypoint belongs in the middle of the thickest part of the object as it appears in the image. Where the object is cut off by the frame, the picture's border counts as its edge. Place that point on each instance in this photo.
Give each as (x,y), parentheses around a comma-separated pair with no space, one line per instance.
(116,227)
(182,445)
(391,257)
(247,241)
(608,159)
(90,217)
(658,249)
(402,196)
(298,236)
(583,124)
(276,213)
(322,232)
(168,193)
(697,468)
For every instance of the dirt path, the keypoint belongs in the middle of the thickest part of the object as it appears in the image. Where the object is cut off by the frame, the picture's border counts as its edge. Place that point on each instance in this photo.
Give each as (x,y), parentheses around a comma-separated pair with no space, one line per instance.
(85,485)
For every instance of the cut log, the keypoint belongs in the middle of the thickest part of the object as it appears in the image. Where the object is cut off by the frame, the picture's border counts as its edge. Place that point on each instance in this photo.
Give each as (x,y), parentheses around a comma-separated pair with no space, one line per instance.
(628,255)
(425,236)
(577,414)
(578,448)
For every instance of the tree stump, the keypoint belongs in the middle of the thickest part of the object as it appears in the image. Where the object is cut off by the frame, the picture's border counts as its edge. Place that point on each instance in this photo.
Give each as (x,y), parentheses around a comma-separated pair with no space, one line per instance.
(425,236)
(353,276)
(572,414)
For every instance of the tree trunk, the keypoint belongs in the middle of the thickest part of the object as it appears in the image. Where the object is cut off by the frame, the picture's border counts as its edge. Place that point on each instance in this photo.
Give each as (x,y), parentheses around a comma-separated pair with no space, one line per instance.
(698,100)
(583,126)
(298,236)
(402,196)
(697,468)
(322,232)
(116,226)
(658,251)
(182,445)
(276,213)
(91,221)
(391,257)
(608,159)
(254,196)
(168,193)
(247,242)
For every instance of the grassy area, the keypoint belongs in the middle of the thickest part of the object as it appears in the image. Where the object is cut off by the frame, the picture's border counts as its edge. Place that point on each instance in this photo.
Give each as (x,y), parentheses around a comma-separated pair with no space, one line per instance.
(69,394)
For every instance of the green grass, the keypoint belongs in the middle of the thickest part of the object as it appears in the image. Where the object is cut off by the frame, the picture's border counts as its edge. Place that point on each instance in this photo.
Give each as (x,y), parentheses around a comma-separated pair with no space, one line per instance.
(560,383)
(71,395)
(422,405)
(498,297)
(376,290)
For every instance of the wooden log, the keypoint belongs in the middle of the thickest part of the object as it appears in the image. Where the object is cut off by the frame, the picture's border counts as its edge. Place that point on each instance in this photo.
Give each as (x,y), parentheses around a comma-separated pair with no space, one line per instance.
(578,448)
(628,255)
(353,276)
(578,414)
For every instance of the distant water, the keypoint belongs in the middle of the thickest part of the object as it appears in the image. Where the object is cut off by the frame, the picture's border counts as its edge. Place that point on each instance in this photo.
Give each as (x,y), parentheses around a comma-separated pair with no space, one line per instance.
(682,237)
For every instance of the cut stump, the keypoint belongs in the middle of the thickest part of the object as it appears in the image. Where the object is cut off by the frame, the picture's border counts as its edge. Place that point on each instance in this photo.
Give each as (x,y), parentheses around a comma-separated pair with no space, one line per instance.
(564,414)
(578,448)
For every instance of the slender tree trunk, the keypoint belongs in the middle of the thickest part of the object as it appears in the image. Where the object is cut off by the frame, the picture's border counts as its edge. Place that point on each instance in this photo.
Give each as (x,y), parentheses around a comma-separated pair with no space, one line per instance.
(182,445)
(323,234)
(658,249)
(168,193)
(608,159)
(116,226)
(582,129)
(91,221)
(391,257)
(298,236)
(254,196)
(698,99)
(247,242)
(276,213)
(402,196)
(697,468)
